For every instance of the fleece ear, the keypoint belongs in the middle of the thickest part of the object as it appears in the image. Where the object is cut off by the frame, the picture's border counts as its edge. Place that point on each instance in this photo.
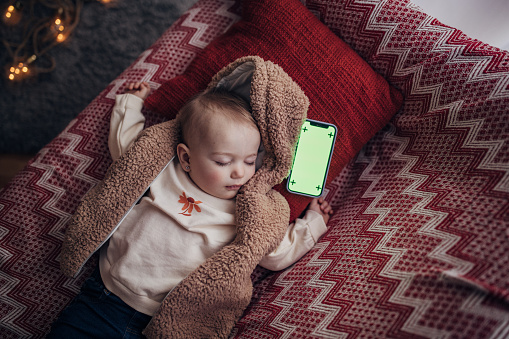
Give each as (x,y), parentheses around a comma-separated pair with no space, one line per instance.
(279,107)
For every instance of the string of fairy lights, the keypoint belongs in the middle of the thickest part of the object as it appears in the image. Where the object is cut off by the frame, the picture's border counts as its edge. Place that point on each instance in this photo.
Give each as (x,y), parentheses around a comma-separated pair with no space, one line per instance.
(36,27)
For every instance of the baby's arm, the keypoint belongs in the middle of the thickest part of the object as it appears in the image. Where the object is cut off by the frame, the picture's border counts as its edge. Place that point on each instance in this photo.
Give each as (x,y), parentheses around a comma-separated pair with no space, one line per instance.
(127,121)
(300,236)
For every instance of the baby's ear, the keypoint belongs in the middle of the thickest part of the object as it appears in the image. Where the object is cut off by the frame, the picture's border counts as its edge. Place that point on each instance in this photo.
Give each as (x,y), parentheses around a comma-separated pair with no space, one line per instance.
(183,155)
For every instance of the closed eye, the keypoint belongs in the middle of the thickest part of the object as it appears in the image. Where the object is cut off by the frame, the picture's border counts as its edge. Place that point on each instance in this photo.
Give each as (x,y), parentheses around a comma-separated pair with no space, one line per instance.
(222,163)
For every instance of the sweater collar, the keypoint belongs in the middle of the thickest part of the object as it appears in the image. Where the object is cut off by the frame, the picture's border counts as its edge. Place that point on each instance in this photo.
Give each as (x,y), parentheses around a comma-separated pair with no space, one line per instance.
(192,190)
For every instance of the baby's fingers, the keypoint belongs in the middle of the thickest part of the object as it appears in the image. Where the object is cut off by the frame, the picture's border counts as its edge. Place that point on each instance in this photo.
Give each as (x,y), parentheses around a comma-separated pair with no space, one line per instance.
(325,207)
(133,86)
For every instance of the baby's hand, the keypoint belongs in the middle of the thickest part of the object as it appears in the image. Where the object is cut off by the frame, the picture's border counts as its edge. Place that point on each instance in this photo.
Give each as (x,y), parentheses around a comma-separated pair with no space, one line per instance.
(321,206)
(140,89)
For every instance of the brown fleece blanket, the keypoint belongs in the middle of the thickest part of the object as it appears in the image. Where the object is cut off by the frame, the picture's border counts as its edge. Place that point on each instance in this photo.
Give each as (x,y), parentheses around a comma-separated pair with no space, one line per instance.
(210,300)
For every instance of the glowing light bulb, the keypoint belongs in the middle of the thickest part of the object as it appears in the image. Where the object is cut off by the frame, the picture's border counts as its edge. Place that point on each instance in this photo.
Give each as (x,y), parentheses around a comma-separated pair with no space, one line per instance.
(10,9)
(59,29)
(12,14)
(20,70)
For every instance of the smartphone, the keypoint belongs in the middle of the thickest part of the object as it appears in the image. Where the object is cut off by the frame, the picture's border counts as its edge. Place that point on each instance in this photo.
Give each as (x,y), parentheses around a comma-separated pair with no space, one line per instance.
(312,158)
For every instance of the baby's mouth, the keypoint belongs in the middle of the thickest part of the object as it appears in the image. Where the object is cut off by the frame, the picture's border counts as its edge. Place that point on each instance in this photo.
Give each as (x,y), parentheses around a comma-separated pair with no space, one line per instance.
(233,187)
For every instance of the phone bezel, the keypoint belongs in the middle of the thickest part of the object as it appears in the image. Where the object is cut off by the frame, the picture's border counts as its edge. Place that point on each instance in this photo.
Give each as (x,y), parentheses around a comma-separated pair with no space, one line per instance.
(314,122)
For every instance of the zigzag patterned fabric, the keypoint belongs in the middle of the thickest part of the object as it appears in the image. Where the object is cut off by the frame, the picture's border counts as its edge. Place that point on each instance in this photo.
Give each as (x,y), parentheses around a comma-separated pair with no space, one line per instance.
(418,246)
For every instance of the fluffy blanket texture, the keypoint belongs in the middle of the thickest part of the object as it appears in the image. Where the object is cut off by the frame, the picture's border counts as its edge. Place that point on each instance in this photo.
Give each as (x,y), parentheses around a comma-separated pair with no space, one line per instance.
(211,299)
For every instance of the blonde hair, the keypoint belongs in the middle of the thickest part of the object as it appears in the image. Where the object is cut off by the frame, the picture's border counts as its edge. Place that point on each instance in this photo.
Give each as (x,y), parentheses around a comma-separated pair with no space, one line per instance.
(197,112)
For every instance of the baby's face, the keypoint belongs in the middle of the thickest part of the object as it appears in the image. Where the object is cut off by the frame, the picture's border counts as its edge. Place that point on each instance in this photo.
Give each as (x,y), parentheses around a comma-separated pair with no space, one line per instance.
(224,158)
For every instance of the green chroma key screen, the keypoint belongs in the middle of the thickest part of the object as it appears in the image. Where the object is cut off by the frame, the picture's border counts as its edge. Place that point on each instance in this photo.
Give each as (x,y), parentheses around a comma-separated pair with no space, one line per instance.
(312,158)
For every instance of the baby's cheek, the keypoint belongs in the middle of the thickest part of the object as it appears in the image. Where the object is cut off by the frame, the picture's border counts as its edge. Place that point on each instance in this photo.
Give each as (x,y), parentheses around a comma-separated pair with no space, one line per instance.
(251,172)
(214,177)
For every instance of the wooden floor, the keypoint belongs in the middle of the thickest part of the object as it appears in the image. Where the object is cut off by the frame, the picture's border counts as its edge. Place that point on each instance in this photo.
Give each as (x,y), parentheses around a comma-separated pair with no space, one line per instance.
(10,164)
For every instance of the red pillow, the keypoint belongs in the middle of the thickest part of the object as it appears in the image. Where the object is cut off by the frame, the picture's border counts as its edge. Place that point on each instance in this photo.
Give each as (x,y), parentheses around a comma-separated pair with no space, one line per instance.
(341,86)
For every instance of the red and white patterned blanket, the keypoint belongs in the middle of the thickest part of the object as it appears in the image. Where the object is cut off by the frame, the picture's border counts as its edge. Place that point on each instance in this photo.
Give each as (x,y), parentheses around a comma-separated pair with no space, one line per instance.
(419,242)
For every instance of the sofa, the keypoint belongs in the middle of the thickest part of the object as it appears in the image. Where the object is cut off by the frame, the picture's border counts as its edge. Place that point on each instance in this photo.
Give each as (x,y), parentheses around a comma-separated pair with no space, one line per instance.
(418,245)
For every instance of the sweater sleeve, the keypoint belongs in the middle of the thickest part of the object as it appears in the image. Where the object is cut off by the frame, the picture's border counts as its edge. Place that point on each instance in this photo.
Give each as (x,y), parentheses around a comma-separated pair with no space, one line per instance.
(300,237)
(126,123)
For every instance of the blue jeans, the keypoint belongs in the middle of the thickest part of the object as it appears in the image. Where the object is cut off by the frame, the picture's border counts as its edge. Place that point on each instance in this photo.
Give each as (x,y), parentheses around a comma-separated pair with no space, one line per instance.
(97,313)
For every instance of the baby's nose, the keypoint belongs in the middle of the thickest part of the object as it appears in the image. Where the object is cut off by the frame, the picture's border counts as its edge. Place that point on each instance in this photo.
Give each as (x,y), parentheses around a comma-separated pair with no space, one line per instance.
(238,172)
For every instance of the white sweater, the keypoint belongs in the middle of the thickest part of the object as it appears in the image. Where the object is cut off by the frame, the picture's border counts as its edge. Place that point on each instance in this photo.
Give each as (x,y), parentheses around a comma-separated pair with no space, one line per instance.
(176,227)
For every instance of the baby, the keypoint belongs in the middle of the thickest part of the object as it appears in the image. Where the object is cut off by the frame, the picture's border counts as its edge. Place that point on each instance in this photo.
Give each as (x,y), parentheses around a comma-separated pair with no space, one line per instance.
(186,217)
